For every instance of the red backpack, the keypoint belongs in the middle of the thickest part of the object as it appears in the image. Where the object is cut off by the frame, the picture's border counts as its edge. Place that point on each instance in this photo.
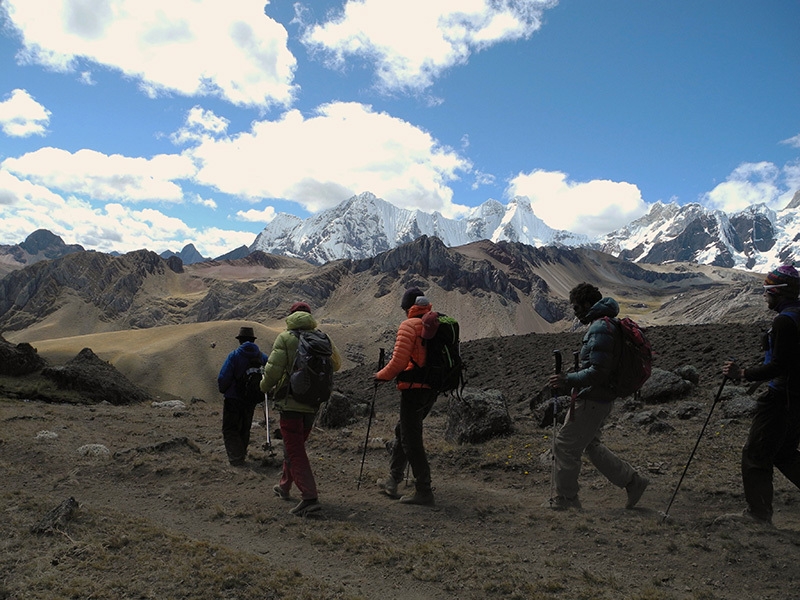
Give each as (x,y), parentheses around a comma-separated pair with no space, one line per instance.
(634,357)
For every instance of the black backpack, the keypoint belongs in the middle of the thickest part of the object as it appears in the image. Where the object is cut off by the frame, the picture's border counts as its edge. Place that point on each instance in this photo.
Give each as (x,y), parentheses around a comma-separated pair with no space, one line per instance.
(248,386)
(311,376)
(444,369)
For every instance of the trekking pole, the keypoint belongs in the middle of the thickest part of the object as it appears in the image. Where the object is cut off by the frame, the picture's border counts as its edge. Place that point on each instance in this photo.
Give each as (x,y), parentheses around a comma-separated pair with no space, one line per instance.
(691,456)
(381,358)
(268,447)
(557,355)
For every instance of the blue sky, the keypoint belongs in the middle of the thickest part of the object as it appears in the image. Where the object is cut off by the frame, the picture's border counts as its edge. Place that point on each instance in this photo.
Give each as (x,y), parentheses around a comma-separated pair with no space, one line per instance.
(128,124)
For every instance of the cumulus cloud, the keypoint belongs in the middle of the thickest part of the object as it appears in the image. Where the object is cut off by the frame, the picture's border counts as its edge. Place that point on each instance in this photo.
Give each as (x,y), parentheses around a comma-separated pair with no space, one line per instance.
(200,123)
(103,177)
(340,151)
(27,206)
(413,42)
(264,215)
(592,208)
(192,47)
(22,116)
(755,183)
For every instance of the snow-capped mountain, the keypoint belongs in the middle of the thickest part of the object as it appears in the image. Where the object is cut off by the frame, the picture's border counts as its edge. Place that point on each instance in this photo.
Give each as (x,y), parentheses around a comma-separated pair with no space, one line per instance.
(756,238)
(365,226)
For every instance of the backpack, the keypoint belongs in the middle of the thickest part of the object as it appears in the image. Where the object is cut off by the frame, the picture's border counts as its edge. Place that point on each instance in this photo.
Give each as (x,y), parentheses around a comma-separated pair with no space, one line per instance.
(444,369)
(311,377)
(635,359)
(248,386)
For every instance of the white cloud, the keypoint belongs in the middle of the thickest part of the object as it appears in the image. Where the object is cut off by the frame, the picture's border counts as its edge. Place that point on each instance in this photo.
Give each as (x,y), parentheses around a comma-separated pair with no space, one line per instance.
(414,41)
(794,141)
(343,150)
(263,216)
(26,207)
(199,124)
(755,183)
(102,177)
(592,208)
(228,49)
(22,116)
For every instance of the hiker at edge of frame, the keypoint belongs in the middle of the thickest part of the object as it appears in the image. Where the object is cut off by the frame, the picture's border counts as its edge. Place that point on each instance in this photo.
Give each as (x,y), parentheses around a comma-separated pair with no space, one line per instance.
(237,414)
(593,403)
(775,430)
(296,419)
(416,401)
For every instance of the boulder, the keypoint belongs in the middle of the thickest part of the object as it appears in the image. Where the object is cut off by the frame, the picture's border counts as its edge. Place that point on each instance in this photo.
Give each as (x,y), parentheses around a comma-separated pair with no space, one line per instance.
(664,386)
(20,359)
(478,416)
(337,412)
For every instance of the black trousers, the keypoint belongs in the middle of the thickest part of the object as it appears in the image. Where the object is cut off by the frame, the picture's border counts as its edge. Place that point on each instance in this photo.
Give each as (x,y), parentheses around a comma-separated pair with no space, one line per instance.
(408,448)
(237,418)
(773,442)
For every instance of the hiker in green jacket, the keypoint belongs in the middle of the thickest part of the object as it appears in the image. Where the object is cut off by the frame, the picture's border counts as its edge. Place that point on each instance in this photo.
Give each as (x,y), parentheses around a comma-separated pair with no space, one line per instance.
(296,419)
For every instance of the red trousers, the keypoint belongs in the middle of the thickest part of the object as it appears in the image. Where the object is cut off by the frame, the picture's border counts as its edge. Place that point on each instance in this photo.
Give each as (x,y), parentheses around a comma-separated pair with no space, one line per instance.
(295,429)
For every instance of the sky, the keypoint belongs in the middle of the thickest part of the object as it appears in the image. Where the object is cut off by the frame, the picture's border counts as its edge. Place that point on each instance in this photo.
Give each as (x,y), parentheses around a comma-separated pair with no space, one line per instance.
(128,124)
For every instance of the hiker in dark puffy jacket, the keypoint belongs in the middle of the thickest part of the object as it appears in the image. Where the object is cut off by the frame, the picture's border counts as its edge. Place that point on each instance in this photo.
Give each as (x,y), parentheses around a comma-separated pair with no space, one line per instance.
(775,431)
(237,415)
(297,419)
(593,401)
(416,401)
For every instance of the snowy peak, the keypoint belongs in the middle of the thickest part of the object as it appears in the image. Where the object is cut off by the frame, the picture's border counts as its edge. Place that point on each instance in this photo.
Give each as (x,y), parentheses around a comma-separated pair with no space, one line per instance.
(364,226)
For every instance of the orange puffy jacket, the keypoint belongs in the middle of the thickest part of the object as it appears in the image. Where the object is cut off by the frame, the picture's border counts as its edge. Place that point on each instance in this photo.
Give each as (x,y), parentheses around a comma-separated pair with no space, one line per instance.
(407,347)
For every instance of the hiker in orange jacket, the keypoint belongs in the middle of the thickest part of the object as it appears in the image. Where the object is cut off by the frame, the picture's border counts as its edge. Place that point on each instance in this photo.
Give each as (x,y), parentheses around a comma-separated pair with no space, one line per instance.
(416,401)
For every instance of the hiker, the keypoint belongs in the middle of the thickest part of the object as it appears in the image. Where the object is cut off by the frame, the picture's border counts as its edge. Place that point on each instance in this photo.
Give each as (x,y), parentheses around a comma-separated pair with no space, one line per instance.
(593,401)
(296,419)
(416,401)
(237,415)
(775,431)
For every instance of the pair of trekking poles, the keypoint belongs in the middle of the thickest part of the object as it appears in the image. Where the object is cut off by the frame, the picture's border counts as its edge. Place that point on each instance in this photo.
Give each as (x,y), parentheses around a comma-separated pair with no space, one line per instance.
(665,514)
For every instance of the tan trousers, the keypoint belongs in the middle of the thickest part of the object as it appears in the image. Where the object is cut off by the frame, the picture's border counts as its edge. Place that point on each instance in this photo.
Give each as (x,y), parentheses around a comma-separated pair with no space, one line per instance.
(583,434)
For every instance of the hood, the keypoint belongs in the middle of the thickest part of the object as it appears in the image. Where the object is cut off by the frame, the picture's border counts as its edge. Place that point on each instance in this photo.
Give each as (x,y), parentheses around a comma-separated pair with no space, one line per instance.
(300,320)
(250,350)
(605,307)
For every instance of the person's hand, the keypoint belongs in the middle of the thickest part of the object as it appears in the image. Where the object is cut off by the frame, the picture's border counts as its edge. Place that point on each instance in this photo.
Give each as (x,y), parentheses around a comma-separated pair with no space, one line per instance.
(558,381)
(732,371)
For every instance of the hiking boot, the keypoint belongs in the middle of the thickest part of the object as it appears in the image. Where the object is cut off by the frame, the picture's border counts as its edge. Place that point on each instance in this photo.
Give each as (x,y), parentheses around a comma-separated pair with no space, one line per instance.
(418,498)
(746,516)
(389,487)
(305,507)
(279,492)
(635,489)
(562,503)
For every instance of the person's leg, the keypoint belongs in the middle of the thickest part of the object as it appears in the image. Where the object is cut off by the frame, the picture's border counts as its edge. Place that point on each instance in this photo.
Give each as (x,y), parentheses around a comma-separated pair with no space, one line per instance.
(572,439)
(787,459)
(231,432)
(398,460)
(767,434)
(295,429)
(414,407)
(616,470)
(246,424)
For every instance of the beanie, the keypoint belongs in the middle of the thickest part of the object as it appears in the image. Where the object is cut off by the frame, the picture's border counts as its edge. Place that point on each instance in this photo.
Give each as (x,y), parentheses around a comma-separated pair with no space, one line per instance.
(300,306)
(410,296)
(784,281)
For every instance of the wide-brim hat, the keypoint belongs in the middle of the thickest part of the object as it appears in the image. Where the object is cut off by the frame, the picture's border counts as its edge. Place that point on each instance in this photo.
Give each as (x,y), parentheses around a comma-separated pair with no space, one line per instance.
(246,333)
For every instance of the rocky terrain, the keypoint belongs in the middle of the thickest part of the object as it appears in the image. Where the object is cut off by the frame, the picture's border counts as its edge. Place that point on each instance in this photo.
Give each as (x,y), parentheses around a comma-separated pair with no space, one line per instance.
(108,396)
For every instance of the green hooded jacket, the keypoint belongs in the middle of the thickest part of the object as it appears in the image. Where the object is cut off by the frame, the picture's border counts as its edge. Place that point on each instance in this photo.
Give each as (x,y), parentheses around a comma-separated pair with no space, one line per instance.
(281,359)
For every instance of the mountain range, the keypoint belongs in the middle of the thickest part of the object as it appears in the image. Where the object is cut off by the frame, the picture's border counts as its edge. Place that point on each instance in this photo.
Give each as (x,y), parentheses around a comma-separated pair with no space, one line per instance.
(756,238)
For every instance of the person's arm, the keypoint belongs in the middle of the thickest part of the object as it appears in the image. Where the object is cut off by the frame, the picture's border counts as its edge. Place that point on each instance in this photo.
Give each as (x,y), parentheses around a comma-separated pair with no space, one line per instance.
(784,342)
(225,377)
(401,355)
(600,340)
(276,364)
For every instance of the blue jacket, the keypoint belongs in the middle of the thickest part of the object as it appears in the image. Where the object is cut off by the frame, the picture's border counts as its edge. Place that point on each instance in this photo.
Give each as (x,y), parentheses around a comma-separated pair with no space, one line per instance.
(597,356)
(235,365)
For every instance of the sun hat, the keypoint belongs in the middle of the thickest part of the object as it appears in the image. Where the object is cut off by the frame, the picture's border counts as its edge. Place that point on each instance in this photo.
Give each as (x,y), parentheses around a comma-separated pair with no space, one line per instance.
(246,333)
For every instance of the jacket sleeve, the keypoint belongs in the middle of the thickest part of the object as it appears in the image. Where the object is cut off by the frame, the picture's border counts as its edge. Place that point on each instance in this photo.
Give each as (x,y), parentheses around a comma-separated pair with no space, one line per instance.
(599,361)
(226,374)
(276,363)
(401,355)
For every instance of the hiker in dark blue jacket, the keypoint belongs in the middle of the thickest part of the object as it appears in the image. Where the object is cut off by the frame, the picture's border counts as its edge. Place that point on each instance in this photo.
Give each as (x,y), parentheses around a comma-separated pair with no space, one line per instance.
(237,415)
(594,400)
(775,432)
